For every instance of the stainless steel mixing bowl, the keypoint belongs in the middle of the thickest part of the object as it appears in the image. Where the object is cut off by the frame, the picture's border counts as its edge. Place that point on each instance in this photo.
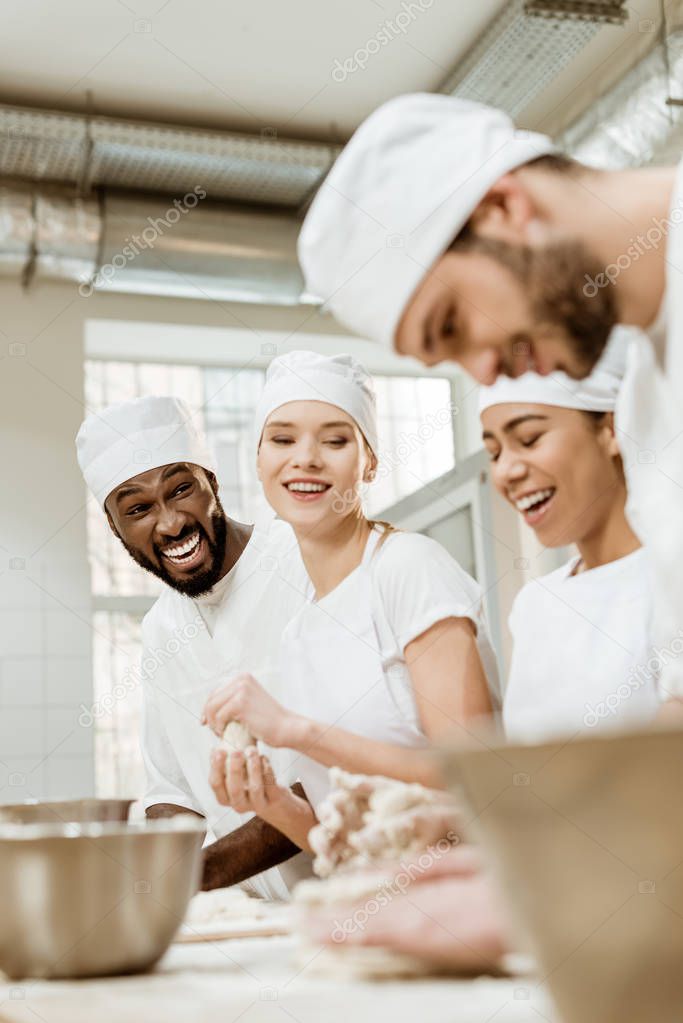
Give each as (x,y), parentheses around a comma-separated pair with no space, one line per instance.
(65,810)
(91,899)
(586,837)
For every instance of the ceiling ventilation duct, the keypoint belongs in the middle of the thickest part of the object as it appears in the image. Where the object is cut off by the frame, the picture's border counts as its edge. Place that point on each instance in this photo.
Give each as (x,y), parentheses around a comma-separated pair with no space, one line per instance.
(517,57)
(635,123)
(606,12)
(151,246)
(95,152)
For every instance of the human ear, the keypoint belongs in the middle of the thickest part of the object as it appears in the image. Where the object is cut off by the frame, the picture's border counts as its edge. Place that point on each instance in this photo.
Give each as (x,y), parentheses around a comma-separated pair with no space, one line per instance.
(611,436)
(371,468)
(506,213)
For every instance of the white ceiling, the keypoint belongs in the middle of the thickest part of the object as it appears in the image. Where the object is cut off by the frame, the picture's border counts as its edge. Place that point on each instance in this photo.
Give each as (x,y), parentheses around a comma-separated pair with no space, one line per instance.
(268,64)
(243,65)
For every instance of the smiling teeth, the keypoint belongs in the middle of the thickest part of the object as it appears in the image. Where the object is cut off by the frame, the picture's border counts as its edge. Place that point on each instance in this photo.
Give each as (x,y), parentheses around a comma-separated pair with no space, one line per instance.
(182,549)
(308,488)
(530,500)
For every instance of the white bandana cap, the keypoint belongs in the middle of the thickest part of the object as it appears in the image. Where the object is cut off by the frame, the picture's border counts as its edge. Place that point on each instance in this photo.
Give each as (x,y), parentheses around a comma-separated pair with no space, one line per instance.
(132,437)
(595,393)
(405,184)
(336,379)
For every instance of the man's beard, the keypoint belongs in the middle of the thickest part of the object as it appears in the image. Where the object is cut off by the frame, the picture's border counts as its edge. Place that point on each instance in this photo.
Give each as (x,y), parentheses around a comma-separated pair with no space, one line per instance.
(554,277)
(202,582)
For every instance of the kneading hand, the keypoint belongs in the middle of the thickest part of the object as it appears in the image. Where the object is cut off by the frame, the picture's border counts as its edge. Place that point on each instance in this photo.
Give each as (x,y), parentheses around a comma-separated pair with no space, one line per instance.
(452,916)
(246,782)
(244,699)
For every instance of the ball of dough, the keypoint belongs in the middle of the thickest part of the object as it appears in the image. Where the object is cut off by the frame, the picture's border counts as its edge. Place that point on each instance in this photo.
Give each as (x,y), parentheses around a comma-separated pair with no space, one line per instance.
(237,737)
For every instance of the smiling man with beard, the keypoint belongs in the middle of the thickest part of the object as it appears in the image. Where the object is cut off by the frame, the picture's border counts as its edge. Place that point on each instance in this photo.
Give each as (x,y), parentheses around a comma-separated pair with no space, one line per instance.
(230,589)
(446,233)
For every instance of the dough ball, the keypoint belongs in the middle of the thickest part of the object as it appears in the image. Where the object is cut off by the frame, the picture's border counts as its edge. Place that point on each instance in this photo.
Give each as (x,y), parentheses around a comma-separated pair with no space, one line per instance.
(237,737)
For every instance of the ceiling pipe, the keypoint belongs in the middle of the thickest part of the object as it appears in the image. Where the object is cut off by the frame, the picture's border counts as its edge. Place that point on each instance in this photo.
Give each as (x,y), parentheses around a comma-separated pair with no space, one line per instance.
(186,247)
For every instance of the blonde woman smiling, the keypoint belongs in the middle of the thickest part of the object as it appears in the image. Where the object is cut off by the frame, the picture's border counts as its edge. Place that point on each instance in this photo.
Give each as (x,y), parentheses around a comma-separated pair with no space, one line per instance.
(390,654)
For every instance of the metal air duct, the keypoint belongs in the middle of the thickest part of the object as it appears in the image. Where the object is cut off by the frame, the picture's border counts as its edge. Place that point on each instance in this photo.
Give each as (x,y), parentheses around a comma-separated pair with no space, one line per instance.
(633,123)
(188,248)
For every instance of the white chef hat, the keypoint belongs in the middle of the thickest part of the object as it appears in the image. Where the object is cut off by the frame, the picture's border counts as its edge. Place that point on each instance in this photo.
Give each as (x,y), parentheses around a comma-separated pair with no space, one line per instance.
(595,393)
(131,437)
(398,194)
(336,379)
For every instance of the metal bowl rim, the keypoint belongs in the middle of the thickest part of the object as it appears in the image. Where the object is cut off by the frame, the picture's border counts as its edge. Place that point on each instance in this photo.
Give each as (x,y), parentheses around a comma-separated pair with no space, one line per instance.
(73,801)
(89,830)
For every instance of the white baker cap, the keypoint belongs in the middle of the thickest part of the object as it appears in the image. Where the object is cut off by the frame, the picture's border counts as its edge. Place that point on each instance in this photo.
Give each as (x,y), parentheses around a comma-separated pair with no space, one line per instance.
(595,393)
(398,194)
(131,437)
(336,379)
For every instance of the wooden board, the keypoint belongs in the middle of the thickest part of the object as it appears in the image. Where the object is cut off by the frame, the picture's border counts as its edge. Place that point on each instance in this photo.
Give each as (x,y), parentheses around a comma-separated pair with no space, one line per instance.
(271,925)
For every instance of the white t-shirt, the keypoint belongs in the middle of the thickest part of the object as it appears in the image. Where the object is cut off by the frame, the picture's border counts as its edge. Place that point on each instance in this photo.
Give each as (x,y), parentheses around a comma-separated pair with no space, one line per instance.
(342,657)
(209,604)
(582,652)
(649,421)
(184,661)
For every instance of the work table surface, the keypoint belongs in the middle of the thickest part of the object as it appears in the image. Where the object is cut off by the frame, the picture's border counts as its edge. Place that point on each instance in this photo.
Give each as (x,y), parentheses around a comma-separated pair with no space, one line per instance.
(259,980)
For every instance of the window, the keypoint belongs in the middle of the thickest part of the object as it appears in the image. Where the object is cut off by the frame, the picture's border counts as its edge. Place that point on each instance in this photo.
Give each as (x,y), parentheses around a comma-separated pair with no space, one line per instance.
(416,445)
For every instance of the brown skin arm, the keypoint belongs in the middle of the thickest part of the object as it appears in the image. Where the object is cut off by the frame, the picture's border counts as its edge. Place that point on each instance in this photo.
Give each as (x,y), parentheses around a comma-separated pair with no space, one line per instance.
(248,850)
(159,810)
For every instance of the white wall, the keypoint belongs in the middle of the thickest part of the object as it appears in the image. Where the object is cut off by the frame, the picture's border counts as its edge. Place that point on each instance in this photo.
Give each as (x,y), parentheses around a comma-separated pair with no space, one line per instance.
(44,582)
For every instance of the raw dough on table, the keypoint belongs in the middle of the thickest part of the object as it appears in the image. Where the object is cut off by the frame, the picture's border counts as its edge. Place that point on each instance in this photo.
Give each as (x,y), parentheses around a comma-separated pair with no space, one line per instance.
(343,960)
(366,826)
(368,820)
(222,904)
(357,962)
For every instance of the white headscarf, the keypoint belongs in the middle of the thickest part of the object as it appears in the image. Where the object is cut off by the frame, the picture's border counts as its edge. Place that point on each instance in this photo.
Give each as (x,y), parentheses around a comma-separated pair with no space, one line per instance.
(595,393)
(336,379)
(131,437)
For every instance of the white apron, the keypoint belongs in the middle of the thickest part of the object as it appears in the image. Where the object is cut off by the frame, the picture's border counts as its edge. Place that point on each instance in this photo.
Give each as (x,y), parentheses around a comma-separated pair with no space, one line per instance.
(649,420)
(338,667)
(184,664)
(607,675)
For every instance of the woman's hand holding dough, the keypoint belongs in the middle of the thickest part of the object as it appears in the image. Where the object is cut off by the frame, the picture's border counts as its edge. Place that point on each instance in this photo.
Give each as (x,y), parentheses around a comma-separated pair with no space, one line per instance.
(246,782)
(244,700)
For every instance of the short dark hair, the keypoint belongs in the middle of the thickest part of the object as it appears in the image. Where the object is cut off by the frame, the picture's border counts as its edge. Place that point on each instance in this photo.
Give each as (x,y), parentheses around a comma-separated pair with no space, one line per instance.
(554,163)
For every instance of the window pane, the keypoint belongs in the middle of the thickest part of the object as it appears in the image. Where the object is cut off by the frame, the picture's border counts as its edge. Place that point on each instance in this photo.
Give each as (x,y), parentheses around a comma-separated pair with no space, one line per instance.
(416,437)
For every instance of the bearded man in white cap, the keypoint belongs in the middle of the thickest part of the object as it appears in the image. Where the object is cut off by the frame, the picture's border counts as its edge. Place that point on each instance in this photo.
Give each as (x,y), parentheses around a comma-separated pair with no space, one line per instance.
(230,589)
(446,233)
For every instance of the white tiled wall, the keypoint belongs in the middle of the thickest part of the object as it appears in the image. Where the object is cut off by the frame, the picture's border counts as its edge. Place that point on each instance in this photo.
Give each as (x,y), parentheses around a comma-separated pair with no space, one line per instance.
(45,639)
